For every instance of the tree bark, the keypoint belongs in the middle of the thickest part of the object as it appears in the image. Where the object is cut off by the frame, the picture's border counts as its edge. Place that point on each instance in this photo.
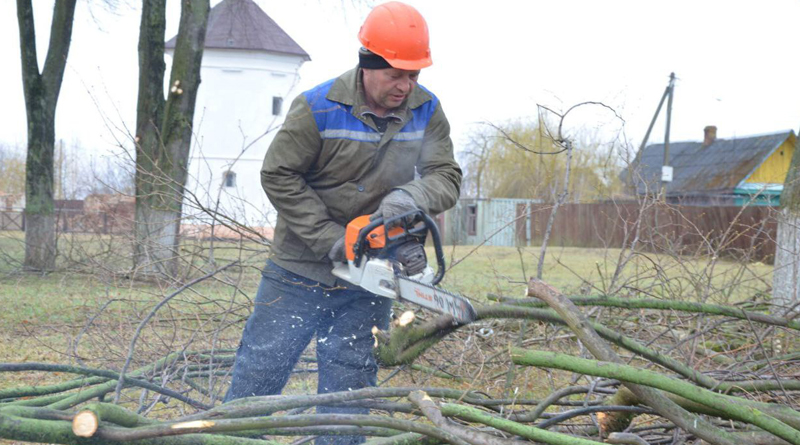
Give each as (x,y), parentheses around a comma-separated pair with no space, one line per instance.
(739,410)
(164,131)
(618,421)
(662,305)
(656,400)
(407,343)
(16,425)
(786,275)
(528,432)
(432,412)
(41,96)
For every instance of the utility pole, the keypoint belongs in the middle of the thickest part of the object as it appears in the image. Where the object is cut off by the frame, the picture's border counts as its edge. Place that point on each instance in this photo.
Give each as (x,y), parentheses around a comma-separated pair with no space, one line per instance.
(655,116)
(666,170)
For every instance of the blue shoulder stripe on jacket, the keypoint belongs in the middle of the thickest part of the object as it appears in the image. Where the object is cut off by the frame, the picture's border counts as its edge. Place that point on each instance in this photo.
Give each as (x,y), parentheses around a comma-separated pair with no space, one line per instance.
(335,120)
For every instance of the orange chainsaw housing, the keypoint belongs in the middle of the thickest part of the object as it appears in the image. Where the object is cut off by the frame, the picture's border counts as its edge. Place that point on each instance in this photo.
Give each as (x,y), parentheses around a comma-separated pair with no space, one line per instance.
(377,238)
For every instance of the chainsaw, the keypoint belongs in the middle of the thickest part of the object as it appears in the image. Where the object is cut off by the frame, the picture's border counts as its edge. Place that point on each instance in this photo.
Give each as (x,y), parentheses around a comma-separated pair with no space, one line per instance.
(393,263)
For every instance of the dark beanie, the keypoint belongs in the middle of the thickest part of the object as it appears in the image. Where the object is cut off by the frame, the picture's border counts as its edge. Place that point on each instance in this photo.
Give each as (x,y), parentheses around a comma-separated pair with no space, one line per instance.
(371,61)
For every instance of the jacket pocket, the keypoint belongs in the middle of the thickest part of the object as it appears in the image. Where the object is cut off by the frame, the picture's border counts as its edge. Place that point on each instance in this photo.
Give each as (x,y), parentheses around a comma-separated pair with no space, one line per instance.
(290,245)
(400,160)
(342,160)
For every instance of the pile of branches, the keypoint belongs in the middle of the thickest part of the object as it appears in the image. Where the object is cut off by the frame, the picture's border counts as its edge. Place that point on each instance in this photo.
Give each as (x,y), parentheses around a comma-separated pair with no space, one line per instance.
(640,390)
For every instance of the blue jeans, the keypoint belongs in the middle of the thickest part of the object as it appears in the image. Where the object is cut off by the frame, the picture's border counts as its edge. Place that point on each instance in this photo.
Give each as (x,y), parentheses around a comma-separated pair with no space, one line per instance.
(289,310)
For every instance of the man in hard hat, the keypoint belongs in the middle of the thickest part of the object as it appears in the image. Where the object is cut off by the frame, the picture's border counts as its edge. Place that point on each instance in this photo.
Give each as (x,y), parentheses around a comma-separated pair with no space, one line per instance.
(349,147)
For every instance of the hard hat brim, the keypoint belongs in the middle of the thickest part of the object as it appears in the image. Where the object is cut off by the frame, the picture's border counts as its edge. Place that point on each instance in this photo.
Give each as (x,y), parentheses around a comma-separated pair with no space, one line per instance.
(410,65)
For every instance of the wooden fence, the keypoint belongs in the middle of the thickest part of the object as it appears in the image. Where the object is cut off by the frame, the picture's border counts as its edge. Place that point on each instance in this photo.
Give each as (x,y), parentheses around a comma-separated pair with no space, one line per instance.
(11,220)
(727,230)
(748,231)
(73,221)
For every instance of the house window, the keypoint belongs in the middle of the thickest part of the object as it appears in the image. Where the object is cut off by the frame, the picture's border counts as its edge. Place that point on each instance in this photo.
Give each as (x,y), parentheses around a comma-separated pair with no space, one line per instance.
(277,105)
(472,219)
(230,179)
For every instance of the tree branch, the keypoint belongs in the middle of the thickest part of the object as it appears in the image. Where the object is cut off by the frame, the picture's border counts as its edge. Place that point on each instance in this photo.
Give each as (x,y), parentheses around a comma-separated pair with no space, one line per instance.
(57,51)
(667,408)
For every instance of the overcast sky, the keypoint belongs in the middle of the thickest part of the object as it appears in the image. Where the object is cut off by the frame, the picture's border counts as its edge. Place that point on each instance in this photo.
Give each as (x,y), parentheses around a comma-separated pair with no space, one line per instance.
(493,61)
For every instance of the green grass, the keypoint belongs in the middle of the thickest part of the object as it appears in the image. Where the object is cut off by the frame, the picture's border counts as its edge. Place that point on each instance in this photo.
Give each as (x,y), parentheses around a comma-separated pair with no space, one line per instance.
(70,297)
(504,271)
(42,314)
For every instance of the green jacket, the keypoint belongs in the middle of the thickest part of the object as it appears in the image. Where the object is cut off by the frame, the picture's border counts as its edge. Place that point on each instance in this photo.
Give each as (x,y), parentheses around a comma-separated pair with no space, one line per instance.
(329,164)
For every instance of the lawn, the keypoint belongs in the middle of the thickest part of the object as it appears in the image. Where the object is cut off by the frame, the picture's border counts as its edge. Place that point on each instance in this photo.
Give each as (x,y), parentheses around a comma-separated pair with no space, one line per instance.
(43,315)
(69,297)
(504,271)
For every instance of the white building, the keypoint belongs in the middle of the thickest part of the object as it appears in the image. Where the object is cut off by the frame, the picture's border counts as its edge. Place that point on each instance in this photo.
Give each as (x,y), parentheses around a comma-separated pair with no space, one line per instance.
(250,66)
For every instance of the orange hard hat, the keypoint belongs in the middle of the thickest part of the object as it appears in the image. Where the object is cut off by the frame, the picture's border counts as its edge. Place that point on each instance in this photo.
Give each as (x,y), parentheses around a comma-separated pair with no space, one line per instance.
(398,33)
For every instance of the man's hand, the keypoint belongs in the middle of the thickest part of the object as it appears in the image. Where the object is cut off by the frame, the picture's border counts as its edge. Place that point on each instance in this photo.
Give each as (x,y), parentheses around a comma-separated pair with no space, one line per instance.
(395,204)
(337,253)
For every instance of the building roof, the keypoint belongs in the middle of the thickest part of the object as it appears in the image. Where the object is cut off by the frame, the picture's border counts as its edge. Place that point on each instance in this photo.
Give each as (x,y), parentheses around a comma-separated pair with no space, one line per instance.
(718,167)
(241,24)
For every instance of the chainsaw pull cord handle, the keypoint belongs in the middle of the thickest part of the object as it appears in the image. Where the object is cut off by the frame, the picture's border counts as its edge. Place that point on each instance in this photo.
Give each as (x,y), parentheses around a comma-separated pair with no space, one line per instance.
(429,225)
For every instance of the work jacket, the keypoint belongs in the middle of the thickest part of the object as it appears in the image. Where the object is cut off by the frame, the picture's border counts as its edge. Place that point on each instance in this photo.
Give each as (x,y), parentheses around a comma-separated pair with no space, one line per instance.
(329,164)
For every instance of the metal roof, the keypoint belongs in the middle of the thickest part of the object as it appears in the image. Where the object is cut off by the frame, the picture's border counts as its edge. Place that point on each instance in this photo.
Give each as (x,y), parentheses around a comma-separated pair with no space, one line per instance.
(718,167)
(241,24)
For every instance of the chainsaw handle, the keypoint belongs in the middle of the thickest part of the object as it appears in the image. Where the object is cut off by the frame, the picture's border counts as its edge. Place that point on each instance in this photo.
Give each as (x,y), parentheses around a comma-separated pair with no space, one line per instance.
(361,241)
(429,225)
(437,247)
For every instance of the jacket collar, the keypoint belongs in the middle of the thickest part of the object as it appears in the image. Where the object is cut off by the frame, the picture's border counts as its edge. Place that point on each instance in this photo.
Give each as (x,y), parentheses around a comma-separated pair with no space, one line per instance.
(348,90)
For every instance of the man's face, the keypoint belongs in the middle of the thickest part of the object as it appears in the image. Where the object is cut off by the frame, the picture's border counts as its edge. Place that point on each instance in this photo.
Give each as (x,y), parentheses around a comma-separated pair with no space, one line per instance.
(387,88)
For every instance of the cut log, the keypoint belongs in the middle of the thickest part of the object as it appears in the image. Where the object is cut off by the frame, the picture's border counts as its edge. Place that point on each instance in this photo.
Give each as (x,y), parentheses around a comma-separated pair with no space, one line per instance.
(85,424)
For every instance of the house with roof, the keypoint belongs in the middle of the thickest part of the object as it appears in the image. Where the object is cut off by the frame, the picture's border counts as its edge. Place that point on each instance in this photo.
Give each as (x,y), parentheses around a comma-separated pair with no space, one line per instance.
(740,171)
(249,70)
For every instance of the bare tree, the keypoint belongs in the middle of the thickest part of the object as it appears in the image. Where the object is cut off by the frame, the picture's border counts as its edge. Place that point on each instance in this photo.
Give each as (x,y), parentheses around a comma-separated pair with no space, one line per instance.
(41,91)
(164,130)
(79,174)
(12,170)
(496,166)
(474,158)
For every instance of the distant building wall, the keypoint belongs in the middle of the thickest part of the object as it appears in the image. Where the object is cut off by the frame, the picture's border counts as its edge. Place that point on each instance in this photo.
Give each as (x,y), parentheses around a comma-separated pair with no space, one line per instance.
(241,103)
(773,170)
(494,222)
(9,201)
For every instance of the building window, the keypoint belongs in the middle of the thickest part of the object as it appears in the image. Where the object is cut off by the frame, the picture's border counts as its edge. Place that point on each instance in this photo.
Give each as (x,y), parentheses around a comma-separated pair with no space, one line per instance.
(277,105)
(472,219)
(230,179)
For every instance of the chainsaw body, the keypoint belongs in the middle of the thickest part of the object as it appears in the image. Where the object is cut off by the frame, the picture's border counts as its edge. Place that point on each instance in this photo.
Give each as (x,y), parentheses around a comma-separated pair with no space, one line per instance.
(393,264)
(376,258)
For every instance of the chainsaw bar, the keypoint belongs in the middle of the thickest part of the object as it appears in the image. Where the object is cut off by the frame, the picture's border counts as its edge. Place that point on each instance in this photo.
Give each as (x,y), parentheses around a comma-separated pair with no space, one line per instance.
(436,299)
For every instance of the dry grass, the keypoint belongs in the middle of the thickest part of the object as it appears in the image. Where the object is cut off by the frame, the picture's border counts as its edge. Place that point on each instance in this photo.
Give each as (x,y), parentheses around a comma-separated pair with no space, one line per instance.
(43,314)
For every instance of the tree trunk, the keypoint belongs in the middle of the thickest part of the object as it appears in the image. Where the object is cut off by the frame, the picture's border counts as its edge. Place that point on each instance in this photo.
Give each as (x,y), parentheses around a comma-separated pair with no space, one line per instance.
(41,96)
(786,275)
(164,131)
(40,236)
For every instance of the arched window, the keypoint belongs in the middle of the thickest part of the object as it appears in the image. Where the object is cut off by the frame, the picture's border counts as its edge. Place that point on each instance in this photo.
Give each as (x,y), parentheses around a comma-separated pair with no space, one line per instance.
(230,179)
